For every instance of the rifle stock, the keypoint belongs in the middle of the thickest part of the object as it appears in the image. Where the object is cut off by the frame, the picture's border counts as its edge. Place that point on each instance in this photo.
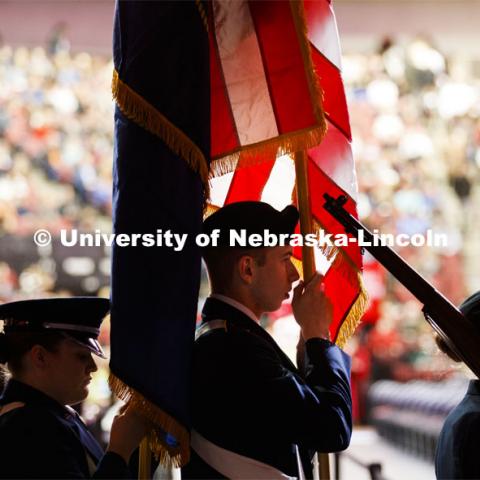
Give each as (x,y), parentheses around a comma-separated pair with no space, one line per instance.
(445,318)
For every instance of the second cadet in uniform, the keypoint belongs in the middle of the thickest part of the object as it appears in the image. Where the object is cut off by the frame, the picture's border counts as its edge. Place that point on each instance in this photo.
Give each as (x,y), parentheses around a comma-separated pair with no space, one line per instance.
(48,345)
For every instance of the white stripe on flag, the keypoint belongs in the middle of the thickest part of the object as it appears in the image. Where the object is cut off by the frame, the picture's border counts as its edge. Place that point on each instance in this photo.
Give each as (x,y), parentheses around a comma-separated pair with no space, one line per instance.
(278,189)
(322,30)
(243,71)
(219,187)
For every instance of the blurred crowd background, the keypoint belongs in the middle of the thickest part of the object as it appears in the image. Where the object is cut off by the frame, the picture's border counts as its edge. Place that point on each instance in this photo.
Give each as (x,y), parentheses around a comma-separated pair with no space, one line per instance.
(416,128)
(56,150)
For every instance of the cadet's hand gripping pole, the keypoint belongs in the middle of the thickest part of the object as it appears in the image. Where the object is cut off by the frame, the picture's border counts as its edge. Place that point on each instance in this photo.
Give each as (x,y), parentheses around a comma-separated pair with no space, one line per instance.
(308,263)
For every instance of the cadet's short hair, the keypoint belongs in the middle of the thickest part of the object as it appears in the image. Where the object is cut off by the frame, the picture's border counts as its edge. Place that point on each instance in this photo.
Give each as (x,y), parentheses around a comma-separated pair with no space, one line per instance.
(221,263)
(251,218)
(14,345)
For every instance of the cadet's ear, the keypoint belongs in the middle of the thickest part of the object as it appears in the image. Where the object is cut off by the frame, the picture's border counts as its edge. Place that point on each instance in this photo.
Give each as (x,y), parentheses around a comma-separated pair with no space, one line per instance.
(245,268)
(38,357)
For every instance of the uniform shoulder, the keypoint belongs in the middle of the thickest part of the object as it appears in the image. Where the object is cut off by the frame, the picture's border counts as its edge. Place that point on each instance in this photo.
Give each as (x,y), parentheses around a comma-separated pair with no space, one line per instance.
(233,340)
(469,420)
(31,417)
(231,333)
(36,443)
(463,427)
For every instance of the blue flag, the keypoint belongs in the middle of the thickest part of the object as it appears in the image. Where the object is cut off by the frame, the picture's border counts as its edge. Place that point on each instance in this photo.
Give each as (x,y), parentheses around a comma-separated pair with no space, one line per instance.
(162,143)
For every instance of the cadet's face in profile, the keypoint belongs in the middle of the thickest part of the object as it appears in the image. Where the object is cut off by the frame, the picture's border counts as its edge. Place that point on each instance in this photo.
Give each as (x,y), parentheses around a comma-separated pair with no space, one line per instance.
(69,369)
(273,280)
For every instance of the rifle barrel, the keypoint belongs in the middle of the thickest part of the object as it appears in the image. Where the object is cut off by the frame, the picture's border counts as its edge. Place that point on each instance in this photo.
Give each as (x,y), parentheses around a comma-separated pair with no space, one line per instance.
(459,334)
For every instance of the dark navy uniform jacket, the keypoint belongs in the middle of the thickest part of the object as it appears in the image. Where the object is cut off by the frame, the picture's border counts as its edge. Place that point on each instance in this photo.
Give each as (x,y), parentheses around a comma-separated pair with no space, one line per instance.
(458,447)
(43,439)
(248,397)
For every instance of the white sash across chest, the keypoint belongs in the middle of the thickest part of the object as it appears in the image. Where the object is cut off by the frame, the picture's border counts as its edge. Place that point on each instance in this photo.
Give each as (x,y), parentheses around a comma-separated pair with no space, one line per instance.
(230,464)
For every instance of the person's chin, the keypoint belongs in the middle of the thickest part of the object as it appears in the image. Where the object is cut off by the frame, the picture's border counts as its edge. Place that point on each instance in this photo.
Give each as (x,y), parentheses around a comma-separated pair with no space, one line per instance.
(277,305)
(83,394)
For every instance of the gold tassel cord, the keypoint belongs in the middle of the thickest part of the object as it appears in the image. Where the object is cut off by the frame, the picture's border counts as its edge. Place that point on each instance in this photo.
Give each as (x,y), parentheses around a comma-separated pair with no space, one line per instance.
(165,453)
(137,109)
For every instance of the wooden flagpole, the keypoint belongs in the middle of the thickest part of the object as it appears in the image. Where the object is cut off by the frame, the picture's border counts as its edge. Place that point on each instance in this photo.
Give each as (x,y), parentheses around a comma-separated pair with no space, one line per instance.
(144,461)
(308,262)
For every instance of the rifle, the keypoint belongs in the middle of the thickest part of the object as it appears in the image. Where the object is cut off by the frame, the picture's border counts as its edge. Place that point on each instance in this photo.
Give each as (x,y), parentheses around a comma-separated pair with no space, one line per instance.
(446,319)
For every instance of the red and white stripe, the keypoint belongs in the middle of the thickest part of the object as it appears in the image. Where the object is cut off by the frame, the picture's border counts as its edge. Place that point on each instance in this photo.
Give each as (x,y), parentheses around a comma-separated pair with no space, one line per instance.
(259,82)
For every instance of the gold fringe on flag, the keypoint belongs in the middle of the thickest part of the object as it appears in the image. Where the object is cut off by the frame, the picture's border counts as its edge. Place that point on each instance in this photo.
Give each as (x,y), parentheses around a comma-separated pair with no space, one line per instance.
(211,208)
(166,454)
(316,92)
(266,150)
(344,265)
(354,316)
(137,109)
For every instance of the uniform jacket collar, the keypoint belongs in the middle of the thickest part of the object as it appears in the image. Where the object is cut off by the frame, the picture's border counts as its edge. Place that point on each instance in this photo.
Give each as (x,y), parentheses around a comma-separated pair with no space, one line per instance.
(474,387)
(216,309)
(236,304)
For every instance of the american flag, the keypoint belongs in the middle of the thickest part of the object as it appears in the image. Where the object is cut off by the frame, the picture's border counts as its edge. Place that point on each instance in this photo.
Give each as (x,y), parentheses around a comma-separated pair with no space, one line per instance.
(276,88)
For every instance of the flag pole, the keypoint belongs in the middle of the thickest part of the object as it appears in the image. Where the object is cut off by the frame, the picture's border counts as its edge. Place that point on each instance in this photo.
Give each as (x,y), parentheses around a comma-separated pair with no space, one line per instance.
(308,263)
(144,460)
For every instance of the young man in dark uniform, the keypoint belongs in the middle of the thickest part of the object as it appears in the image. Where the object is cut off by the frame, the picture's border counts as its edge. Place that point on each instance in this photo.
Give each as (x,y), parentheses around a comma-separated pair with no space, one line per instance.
(457,453)
(47,345)
(255,415)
